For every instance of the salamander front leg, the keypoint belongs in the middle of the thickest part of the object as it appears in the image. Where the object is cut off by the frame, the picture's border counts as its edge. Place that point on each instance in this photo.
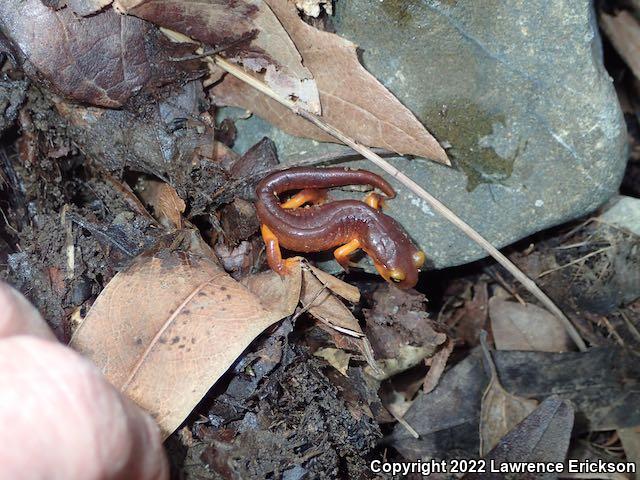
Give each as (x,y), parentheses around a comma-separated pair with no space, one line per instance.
(308,195)
(342,253)
(374,200)
(274,255)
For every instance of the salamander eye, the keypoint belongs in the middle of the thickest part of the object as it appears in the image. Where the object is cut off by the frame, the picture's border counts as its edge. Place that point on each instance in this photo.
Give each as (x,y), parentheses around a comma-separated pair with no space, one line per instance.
(419,258)
(397,276)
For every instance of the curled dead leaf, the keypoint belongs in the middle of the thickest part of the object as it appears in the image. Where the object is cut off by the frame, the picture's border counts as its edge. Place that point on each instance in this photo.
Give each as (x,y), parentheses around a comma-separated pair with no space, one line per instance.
(317,297)
(167,205)
(437,364)
(500,410)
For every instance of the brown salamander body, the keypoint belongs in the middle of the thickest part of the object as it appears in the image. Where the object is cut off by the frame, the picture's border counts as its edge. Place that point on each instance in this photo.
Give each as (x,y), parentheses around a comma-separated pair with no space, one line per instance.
(351,223)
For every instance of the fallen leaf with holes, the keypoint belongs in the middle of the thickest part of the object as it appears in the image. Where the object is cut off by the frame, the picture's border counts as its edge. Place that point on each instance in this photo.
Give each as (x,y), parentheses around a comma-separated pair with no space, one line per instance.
(352,99)
(254,37)
(164,330)
(401,333)
(165,202)
(500,411)
(526,327)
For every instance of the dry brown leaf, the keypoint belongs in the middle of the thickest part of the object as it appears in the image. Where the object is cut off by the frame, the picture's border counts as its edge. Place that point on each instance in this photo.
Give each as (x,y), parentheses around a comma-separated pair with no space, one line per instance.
(526,327)
(167,205)
(352,99)
(87,7)
(337,286)
(164,330)
(338,359)
(223,155)
(437,364)
(100,60)
(318,298)
(624,32)
(312,8)
(630,438)
(255,35)
(279,295)
(500,411)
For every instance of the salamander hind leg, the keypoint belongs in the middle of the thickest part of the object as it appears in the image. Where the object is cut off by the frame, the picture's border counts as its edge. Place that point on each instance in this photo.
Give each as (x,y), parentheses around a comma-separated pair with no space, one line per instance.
(342,253)
(308,195)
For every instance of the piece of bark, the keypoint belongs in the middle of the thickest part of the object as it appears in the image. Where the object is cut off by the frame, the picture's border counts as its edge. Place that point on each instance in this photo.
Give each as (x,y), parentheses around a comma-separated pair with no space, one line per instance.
(239,221)
(603,383)
(352,99)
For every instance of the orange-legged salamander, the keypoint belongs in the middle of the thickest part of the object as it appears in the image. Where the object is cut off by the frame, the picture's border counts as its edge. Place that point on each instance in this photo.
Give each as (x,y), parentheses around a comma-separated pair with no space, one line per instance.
(350,224)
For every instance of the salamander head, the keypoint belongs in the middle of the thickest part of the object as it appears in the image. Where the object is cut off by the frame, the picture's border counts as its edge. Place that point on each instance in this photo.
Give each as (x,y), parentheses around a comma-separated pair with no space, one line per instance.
(394,255)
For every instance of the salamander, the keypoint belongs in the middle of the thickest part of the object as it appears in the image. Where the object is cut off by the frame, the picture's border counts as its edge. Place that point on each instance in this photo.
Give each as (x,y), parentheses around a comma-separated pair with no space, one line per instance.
(347,224)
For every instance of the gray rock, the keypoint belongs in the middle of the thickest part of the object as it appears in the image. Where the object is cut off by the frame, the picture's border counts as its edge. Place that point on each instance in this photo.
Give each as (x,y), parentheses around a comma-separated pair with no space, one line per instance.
(516,87)
(623,212)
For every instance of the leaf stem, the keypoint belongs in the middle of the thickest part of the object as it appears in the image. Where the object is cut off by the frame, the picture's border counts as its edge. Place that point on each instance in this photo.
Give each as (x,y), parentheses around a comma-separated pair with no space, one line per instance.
(437,205)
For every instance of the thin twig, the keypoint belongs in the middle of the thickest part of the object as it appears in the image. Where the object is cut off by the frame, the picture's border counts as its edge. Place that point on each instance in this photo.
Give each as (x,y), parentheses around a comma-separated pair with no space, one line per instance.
(207,53)
(403,422)
(436,204)
(498,278)
(577,260)
(632,328)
